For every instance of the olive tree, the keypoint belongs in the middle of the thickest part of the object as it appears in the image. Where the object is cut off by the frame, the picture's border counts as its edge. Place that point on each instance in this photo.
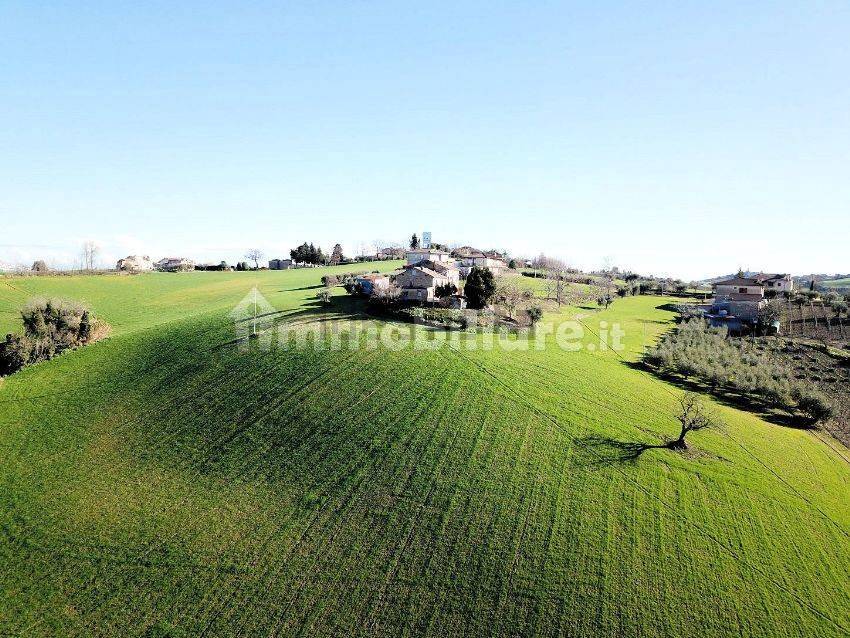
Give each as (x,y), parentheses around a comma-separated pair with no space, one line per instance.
(692,415)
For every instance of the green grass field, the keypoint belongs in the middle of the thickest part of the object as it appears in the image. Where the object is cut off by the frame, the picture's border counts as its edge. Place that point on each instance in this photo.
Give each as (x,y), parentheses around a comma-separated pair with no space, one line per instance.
(169,482)
(836,283)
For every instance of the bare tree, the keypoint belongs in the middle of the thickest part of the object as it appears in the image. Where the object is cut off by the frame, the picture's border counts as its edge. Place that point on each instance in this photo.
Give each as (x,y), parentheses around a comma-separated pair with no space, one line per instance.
(692,415)
(255,255)
(556,278)
(88,255)
(510,296)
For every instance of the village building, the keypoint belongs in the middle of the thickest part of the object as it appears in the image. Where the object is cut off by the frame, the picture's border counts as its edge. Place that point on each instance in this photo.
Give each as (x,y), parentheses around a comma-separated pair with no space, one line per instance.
(418,283)
(415,255)
(446,269)
(135,263)
(481,260)
(390,253)
(175,264)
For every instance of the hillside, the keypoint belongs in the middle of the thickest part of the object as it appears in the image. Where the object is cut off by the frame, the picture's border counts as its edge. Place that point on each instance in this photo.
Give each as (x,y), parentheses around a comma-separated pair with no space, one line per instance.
(168,481)
(844,282)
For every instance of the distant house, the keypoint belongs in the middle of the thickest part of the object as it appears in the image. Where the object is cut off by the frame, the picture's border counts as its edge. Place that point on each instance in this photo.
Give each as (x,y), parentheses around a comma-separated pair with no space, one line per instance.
(482,260)
(135,263)
(280,264)
(390,253)
(415,255)
(371,283)
(418,283)
(779,282)
(175,264)
(767,282)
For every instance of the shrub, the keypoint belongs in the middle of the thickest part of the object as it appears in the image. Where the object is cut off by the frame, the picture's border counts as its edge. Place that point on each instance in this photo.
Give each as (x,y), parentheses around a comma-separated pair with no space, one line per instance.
(50,327)
(14,353)
(324,296)
(445,290)
(535,314)
(812,404)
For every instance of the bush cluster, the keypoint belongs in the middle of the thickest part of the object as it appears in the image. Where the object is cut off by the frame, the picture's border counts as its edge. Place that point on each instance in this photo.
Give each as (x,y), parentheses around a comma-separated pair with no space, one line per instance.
(450,318)
(704,353)
(51,326)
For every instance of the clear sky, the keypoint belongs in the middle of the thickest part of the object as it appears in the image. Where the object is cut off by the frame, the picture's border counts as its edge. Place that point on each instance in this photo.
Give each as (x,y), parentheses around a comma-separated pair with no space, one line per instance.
(673,138)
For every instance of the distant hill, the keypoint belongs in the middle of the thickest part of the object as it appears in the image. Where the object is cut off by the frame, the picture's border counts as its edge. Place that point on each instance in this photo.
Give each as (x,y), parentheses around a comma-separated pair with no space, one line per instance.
(843,282)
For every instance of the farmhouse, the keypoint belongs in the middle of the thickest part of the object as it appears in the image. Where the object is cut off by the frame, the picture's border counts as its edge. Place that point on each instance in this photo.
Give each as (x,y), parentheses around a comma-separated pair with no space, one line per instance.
(739,289)
(419,283)
(175,264)
(135,263)
(754,287)
(737,301)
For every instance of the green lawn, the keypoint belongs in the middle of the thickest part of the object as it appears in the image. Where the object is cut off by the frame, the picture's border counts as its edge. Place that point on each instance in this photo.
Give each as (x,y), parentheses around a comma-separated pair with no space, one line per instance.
(168,481)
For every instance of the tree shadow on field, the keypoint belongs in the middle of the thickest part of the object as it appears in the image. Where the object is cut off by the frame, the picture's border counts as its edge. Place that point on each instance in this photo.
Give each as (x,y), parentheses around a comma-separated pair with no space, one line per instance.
(602,451)
(314,287)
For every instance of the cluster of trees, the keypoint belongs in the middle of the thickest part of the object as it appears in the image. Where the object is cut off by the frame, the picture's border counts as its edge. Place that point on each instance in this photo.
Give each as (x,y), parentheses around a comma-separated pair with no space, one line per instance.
(697,351)
(50,327)
(242,266)
(308,254)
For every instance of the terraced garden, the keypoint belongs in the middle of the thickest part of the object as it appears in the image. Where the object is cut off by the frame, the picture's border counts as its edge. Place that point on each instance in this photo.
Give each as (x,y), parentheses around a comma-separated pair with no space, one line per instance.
(170,481)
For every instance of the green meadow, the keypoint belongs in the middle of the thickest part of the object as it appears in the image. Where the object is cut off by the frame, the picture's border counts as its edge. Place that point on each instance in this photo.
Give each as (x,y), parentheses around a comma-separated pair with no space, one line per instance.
(837,283)
(174,481)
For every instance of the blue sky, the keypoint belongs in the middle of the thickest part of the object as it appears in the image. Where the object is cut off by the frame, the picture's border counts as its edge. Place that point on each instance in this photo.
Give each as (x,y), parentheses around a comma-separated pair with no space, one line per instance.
(673,138)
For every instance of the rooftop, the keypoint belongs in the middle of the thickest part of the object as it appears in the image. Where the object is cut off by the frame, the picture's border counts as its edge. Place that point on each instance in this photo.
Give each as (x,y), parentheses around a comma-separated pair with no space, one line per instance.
(740,281)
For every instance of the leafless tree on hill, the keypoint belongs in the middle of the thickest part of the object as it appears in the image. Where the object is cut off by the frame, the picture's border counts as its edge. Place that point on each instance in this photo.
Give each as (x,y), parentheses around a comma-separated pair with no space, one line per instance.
(255,255)
(88,255)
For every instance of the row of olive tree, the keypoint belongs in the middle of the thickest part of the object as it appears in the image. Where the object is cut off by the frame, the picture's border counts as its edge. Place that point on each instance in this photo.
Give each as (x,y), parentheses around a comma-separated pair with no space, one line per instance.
(697,351)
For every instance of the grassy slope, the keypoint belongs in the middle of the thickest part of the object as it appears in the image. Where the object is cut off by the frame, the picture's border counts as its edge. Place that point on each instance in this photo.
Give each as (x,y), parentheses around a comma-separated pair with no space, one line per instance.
(837,283)
(165,480)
